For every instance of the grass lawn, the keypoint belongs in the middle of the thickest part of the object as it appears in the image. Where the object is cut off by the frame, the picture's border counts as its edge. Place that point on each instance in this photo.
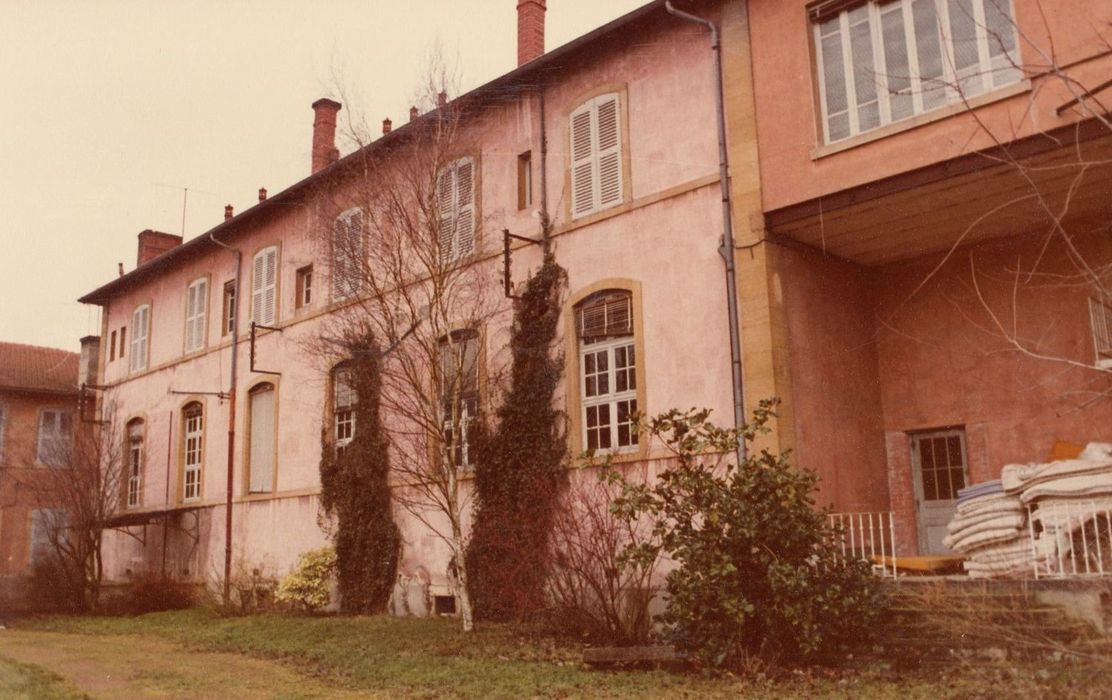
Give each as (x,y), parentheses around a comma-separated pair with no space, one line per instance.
(430,658)
(19,681)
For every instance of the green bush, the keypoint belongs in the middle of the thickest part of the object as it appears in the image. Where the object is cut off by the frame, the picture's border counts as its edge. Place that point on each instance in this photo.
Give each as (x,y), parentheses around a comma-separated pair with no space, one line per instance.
(758,572)
(310,583)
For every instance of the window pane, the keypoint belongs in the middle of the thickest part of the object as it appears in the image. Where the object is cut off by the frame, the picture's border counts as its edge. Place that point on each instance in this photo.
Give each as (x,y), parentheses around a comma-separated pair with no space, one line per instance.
(834,74)
(926,454)
(957,478)
(1000,28)
(953,443)
(963,35)
(864,71)
(930,488)
(929,53)
(940,452)
(896,66)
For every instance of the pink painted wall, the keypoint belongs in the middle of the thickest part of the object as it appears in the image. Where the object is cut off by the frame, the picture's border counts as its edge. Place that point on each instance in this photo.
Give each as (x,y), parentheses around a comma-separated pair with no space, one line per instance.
(788,115)
(665,236)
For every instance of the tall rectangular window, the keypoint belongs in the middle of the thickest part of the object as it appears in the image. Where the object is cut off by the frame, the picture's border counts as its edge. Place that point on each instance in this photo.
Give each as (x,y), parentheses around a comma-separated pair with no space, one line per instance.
(112,346)
(879,62)
(596,155)
(3,424)
(261,465)
(525,180)
(455,195)
(344,399)
(348,254)
(140,328)
(608,371)
(193,433)
(55,445)
(196,306)
(459,392)
(135,438)
(264,281)
(228,322)
(123,340)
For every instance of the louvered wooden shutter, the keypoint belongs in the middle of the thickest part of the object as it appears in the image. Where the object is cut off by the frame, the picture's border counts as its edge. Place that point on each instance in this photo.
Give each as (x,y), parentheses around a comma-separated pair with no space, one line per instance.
(190,312)
(582,161)
(271,280)
(465,208)
(196,301)
(445,191)
(339,260)
(139,321)
(258,269)
(609,151)
(605,316)
(262,439)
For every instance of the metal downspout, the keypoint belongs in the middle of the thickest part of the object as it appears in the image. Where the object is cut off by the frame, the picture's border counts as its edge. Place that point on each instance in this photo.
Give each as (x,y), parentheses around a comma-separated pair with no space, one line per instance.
(231,426)
(726,250)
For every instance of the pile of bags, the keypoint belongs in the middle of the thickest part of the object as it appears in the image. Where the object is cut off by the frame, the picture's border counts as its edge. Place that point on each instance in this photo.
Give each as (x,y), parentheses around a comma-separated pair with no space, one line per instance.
(991,527)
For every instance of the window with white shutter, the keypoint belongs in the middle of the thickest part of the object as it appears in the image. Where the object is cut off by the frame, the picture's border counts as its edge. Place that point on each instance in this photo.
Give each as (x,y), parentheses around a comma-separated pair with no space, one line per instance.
(455,198)
(264,277)
(140,330)
(348,254)
(196,305)
(55,445)
(596,155)
(261,465)
(607,371)
(885,60)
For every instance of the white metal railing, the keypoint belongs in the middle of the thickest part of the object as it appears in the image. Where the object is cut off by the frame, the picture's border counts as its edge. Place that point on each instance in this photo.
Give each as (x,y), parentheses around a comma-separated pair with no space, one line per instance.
(1071,538)
(867,536)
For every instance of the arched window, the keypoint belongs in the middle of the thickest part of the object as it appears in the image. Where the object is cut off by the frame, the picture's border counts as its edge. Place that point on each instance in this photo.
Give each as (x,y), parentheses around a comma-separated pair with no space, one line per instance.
(136,438)
(607,370)
(193,445)
(344,399)
(261,457)
(347,254)
(459,392)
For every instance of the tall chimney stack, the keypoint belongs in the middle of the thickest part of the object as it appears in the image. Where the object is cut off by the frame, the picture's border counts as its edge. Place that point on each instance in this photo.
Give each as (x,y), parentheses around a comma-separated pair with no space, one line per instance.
(530,30)
(228,211)
(324,133)
(386,126)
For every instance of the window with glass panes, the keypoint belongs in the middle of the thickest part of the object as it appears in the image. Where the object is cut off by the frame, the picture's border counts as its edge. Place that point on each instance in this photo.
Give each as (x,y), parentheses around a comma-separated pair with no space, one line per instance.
(55,443)
(193,432)
(608,371)
(135,430)
(344,400)
(882,61)
(459,392)
(940,460)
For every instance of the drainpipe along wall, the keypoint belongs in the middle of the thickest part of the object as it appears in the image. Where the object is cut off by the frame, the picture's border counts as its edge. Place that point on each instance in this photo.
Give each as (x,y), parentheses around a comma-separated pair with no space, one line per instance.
(726,250)
(231,427)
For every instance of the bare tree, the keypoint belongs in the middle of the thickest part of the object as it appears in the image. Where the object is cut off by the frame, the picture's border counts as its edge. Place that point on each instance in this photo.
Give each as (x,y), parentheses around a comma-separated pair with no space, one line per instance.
(77,490)
(402,234)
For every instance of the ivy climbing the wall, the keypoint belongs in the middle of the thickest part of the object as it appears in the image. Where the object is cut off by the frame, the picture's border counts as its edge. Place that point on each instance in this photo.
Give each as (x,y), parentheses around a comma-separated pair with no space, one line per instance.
(355,489)
(519,472)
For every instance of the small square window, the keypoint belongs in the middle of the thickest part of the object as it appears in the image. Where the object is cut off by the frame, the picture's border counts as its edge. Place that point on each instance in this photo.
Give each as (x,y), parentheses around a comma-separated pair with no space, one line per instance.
(304,287)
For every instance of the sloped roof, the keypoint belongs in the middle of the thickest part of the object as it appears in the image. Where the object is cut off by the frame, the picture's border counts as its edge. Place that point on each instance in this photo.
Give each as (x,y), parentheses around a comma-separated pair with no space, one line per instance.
(39,369)
(526,75)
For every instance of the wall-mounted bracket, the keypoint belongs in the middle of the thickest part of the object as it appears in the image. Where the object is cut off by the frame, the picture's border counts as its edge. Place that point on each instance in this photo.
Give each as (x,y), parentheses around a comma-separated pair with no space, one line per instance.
(507,281)
(255,327)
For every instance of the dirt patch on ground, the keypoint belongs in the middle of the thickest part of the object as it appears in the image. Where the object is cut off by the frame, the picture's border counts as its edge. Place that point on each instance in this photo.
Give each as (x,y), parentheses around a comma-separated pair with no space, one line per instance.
(128,667)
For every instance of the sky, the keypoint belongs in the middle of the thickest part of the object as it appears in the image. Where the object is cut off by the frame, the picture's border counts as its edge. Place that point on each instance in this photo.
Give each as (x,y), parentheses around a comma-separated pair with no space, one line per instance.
(109,110)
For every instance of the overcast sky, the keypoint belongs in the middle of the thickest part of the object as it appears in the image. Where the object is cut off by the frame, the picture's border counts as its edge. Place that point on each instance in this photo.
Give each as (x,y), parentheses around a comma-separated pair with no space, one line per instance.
(109,109)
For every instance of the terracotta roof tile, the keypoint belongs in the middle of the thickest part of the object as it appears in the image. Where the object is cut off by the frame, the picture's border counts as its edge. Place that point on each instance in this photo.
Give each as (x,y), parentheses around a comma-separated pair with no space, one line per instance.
(34,368)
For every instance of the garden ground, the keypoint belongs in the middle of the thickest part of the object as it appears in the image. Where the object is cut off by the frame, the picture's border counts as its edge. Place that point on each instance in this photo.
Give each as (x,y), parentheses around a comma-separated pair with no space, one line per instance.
(196,654)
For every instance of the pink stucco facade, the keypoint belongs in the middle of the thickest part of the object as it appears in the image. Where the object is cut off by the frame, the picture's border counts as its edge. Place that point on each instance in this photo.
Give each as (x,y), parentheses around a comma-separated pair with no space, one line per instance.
(660,242)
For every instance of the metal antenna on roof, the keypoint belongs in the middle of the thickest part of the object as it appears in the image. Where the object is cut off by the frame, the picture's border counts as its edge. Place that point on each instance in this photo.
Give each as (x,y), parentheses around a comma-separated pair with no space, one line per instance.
(184,201)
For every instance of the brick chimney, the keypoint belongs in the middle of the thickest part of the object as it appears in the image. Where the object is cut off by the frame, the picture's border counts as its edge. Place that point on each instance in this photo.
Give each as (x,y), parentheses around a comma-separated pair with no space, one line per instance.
(324,133)
(413,113)
(262,194)
(530,30)
(386,126)
(228,212)
(154,243)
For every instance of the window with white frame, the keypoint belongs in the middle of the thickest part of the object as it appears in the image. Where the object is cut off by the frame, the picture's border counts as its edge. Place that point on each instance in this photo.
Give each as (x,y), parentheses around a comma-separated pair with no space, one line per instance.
(193,438)
(885,60)
(228,322)
(608,371)
(344,399)
(140,330)
(596,155)
(1100,316)
(196,305)
(459,393)
(55,444)
(455,199)
(264,280)
(348,254)
(136,435)
(261,456)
